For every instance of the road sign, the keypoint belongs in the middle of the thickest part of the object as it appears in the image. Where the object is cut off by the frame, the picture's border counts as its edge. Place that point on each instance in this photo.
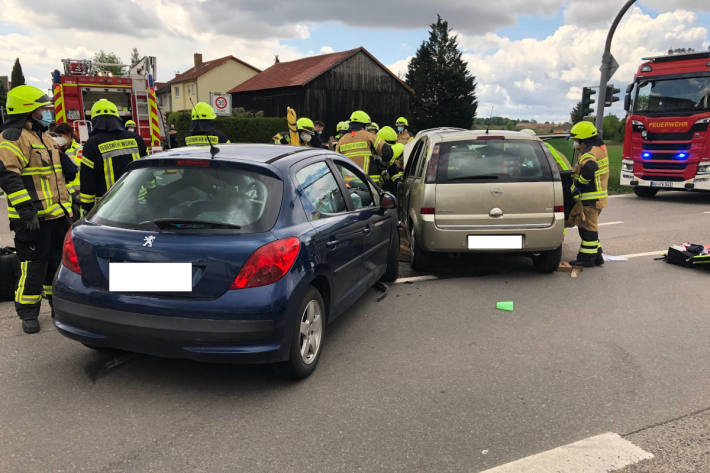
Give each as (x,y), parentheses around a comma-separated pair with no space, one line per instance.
(611,67)
(221,103)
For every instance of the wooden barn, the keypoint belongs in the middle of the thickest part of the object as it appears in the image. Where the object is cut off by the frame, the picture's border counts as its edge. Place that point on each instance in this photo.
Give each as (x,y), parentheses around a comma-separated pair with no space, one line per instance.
(328,87)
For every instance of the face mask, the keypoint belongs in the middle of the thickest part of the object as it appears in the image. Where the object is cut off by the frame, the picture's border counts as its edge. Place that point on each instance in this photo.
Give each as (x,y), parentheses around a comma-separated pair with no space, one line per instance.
(320,132)
(46,119)
(305,137)
(400,129)
(60,140)
(131,129)
(577,145)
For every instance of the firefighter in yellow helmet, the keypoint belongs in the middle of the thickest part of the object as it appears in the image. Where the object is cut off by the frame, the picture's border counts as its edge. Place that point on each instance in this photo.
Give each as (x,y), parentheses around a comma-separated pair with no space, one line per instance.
(107,153)
(402,130)
(392,172)
(306,131)
(361,146)
(589,186)
(202,127)
(130,125)
(32,175)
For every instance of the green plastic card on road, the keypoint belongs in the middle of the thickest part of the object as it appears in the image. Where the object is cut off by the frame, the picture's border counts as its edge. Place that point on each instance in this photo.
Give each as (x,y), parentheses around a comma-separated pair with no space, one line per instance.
(505,305)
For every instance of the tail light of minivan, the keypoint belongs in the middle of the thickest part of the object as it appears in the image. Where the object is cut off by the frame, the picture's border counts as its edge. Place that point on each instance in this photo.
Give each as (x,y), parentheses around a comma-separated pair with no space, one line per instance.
(69,258)
(433,166)
(268,264)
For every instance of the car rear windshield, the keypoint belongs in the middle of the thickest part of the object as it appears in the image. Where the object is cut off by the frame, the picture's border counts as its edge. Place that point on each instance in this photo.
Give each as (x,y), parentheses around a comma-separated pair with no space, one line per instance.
(192,198)
(492,161)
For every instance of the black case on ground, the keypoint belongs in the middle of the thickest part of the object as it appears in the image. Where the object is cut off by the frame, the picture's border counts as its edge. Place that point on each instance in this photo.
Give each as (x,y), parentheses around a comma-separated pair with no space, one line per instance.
(688,258)
(9,271)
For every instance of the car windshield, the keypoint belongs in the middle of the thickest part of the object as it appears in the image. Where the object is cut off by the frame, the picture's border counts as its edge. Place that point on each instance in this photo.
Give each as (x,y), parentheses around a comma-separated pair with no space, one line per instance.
(689,95)
(191,198)
(498,160)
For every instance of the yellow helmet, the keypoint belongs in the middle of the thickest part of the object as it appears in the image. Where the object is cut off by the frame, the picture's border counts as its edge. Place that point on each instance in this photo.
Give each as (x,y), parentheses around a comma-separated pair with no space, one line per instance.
(359,116)
(402,121)
(388,134)
(305,124)
(104,107)
(583,130)
(373,127)
(129,123)
(25,99)
(203,111)
(345,125)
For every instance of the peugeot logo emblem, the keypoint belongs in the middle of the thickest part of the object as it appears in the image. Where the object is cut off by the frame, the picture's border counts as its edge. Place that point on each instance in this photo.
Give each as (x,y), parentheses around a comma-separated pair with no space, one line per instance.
(496,191)
(148,241)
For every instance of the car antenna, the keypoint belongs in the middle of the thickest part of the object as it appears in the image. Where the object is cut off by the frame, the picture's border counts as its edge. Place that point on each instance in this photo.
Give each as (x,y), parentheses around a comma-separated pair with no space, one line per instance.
(490,119)
(213,149)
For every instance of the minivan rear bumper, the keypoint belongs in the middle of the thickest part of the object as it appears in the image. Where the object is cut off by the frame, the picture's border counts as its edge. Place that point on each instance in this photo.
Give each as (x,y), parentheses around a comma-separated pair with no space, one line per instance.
(450,239)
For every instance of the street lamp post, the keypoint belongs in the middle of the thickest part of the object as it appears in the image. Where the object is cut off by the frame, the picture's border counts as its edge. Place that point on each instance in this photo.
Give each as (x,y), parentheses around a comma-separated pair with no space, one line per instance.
(609,66)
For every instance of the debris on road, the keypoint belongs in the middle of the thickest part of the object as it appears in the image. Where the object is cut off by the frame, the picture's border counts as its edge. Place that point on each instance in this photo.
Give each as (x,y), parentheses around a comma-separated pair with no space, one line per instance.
(505,305)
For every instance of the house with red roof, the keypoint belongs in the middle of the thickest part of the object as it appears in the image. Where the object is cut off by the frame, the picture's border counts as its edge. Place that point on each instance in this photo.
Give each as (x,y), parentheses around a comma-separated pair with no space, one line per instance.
(327,87)
(205,77)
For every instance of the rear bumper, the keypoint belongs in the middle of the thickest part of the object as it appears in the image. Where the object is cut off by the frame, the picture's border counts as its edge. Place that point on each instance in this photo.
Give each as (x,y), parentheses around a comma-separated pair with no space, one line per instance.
(700,182)
(450,240)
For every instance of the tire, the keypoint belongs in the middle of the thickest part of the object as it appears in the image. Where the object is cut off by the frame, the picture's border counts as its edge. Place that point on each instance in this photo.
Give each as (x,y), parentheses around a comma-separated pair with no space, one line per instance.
(548,261)
(392,271)
(645,192)
(305,354)
(419,259)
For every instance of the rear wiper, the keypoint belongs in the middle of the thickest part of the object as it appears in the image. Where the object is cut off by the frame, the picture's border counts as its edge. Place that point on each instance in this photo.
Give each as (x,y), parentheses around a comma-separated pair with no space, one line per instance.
(189,223)
(478,176)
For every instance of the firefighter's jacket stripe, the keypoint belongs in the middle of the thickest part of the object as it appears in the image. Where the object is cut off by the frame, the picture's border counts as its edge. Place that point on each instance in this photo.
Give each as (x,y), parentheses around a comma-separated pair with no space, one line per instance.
(360,145)
(593,185)
(31,176)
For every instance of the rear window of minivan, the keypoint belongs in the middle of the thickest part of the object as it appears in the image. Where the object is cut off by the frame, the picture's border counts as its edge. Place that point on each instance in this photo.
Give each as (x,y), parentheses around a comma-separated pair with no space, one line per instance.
(492,160)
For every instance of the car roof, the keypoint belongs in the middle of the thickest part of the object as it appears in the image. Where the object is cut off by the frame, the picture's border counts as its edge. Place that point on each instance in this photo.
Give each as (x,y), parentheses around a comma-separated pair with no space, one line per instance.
(473,134)
(277,155)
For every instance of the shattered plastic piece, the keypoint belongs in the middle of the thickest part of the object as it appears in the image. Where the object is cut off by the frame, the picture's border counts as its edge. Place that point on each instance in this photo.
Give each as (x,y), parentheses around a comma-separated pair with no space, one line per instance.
(505,305)
(614,258)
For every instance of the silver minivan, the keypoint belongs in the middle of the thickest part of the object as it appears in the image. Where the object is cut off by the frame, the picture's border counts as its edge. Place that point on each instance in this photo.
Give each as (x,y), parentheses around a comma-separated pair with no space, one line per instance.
(482,191)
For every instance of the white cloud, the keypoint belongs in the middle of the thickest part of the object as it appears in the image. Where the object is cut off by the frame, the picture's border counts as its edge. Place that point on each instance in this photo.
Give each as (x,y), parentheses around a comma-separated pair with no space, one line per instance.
(326,50)
(399,68)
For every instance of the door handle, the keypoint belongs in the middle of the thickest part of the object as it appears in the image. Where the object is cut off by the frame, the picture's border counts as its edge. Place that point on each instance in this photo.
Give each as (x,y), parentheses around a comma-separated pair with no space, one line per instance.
(332,244)
(366,230)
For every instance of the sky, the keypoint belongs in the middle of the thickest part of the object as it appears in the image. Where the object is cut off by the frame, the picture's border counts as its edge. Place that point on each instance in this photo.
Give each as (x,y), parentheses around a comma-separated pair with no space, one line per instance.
(530,59)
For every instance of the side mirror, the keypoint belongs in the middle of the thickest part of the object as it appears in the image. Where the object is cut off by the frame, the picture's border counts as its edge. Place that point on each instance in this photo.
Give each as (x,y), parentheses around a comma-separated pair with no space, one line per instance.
(627,97)
(388,201)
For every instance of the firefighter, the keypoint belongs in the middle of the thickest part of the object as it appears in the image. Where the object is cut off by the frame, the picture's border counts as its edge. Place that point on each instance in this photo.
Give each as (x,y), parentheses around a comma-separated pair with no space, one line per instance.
(373,128)
(130,125)
(361,146)
(66,140)
(340,129)
(38,202)
(106,154)
(589,186)
(560,159)
(402,126)
(202,127)
(393,169)
(282,138)
(306,132)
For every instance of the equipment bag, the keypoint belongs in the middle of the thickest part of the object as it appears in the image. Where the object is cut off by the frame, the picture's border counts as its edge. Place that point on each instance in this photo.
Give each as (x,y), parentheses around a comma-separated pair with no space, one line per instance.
(9,272)
(688,255)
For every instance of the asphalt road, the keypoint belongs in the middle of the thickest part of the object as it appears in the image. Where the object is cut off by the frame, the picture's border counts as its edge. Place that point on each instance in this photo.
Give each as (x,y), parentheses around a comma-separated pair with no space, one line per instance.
(431,378)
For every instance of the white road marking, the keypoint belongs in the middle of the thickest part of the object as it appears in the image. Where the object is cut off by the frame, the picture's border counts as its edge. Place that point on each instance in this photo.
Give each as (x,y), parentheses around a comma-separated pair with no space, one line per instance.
(618,222)
(706,212)
(428,277)
(618,195)
(599,454)
(648,253)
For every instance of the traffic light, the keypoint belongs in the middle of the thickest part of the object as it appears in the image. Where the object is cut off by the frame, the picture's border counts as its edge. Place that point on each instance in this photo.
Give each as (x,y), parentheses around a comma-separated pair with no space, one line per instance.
(587,101)
(611,97)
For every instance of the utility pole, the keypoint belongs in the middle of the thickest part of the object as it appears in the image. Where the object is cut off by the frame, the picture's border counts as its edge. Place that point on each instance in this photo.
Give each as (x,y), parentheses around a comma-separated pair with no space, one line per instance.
(609,66)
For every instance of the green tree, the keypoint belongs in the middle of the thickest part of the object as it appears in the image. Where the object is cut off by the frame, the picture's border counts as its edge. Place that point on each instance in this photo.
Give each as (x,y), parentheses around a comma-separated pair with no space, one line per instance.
(444,89)
(3,98)
(17,78)
(107,58)
(576,114)
(613,129)
(135,56)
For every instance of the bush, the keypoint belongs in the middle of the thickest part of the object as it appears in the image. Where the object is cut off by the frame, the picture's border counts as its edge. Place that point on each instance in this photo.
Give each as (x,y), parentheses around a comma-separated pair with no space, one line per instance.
(237,129)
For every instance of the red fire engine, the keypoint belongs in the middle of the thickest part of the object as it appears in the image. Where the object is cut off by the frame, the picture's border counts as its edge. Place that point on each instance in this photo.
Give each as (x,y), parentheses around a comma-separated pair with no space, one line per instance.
(133,91)
(667,144)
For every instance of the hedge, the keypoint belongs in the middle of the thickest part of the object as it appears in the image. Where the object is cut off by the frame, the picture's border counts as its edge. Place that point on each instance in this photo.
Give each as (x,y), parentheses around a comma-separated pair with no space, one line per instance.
(239,130)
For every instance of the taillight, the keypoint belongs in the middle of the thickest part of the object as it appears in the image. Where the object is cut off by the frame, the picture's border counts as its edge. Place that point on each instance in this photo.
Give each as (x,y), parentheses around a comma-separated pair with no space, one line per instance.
(193,162)
(433,166)
(559,208)
(268,264)
(69,258)
(427,210)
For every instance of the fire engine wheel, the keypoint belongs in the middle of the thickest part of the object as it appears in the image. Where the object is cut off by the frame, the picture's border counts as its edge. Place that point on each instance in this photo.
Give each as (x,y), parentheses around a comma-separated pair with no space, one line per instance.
(645,192)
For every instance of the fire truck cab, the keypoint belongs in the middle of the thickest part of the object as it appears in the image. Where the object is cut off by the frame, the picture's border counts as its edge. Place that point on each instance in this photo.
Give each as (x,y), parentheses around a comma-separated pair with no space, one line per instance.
(666,141)
(132,89)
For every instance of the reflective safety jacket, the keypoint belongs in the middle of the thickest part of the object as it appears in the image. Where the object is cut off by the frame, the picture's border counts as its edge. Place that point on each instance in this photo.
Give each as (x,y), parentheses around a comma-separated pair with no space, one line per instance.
(105,158)
(404,137)
(31,175)
(74,152)
(203,130)
(360,146)
(560,158)
(591,176)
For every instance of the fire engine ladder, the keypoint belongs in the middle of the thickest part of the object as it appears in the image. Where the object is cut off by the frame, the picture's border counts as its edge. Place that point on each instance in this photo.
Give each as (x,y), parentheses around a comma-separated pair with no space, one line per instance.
(140,92)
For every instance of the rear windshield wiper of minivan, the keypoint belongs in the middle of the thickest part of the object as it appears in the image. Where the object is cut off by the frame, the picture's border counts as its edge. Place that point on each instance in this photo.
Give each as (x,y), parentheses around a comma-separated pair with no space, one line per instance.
(190,223)
(478,176)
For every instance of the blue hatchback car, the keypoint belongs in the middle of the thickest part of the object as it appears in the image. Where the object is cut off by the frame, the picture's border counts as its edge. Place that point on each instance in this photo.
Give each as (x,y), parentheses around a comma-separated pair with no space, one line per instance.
(240,257)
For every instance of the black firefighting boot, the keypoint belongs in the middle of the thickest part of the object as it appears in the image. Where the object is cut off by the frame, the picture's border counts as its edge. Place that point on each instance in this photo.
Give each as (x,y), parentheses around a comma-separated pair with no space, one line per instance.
(30,325)
(584,260)
(600,257)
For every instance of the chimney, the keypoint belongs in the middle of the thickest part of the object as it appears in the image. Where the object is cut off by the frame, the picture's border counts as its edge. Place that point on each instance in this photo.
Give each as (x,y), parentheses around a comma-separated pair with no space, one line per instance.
(198,60)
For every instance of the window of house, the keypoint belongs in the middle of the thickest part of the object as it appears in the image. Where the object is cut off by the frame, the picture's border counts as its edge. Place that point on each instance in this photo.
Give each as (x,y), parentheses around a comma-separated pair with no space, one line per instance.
(177,90)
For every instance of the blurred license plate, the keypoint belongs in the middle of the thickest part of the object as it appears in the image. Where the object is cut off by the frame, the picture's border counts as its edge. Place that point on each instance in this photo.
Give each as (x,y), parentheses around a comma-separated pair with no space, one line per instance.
(661,184)
(150,277)
(495,242)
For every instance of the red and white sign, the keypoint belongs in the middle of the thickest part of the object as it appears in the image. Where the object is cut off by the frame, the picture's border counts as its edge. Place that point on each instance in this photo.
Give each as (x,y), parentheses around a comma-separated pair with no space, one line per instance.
(221,103)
